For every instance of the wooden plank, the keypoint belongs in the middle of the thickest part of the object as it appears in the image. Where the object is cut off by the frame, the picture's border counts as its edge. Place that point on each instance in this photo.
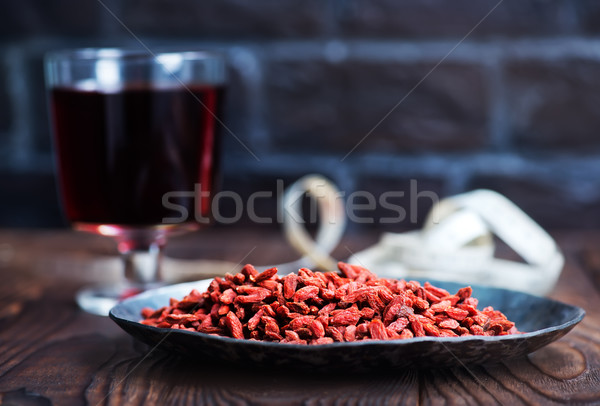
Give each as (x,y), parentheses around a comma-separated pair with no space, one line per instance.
(162,379)
(50,348)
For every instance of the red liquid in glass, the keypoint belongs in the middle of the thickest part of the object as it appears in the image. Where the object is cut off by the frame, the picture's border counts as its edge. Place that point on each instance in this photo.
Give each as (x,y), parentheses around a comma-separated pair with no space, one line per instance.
(119,153)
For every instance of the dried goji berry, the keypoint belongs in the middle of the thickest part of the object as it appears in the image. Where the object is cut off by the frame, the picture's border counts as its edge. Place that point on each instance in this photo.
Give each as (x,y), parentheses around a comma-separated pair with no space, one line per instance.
(316,308)
(334,333)
(227,296)
(377,330)
(350,333)
(254,320)
(234,325)
(300,322)
(456,313)
(305,293)
(263,275)
(399,324)
(464,293)
(346,317)
(448,323)
(317,328)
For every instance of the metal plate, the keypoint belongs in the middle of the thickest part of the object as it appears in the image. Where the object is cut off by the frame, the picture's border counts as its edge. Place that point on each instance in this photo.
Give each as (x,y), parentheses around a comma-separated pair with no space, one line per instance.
(543,321)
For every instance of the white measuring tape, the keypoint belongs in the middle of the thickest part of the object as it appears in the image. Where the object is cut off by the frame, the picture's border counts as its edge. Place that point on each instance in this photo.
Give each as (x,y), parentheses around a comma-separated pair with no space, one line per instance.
(332,218)
(332,223)
(455,244)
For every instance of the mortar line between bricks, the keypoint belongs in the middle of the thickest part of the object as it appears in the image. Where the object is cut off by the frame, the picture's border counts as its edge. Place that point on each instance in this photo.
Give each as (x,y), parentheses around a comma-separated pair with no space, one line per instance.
(466,164)
(21,134)
(422,80)
(478,50)
(143,44)
(497,124)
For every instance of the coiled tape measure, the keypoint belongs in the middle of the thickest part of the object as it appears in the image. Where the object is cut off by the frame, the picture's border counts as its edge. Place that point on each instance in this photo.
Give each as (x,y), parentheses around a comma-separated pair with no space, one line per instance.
(455,244)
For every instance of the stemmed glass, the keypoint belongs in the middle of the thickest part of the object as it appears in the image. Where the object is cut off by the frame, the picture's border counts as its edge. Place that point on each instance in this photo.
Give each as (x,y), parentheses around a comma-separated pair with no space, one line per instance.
(137,147)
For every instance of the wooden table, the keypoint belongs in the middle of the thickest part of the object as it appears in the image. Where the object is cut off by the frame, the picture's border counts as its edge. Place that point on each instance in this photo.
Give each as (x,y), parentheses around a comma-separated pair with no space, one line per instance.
(53,353)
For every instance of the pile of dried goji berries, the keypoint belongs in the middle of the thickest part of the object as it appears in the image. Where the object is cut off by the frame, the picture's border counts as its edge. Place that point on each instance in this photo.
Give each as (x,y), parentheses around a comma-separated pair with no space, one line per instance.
(319,308)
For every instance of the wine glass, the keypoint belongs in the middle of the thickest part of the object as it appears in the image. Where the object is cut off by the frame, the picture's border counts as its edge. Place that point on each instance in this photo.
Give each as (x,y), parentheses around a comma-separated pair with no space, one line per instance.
(137,147)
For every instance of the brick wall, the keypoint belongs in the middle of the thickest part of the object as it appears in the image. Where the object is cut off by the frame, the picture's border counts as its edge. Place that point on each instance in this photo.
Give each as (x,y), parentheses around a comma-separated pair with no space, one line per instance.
(515,106)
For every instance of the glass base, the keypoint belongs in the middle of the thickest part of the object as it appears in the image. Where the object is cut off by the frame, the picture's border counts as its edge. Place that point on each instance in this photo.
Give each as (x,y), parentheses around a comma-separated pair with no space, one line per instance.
(141,251)
(100,299)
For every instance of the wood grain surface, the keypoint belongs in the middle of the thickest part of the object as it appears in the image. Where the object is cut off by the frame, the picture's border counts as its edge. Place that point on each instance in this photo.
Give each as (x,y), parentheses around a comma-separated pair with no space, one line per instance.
(51,353)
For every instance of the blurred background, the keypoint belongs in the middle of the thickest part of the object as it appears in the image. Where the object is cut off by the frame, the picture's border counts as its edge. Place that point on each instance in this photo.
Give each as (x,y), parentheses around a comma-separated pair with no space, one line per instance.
(513,103)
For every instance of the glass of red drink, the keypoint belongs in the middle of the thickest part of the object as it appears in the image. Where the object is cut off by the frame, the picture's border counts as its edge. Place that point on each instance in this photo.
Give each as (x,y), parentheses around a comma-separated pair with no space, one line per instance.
(137,147)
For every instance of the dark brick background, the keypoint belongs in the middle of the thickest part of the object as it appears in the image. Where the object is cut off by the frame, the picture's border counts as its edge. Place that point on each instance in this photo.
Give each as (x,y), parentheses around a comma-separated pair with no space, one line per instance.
(447,112)
(554,104)
(514,106)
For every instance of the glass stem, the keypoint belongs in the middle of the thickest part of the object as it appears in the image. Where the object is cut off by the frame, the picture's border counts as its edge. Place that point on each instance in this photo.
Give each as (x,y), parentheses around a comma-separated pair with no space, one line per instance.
(142,265)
